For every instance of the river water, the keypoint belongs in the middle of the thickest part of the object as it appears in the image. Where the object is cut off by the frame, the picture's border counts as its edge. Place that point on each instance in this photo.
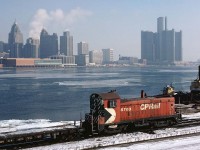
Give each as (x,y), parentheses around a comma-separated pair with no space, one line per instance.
(63,93)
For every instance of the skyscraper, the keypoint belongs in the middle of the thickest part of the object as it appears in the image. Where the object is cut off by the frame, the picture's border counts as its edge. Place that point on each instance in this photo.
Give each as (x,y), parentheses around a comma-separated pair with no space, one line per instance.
(15,41)
(66,49)
(48,44)
(31,48)
(1,46)
(66,44)
(178,46)
(168,45)
(108,55)
(82,59)
(159,39)
(164,46)
(148,45)
(160,24)
(83,48)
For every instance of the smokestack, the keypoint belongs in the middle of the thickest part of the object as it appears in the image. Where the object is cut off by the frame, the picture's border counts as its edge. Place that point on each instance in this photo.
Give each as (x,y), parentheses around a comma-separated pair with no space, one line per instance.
(165,23)
(142,94)
(199,72)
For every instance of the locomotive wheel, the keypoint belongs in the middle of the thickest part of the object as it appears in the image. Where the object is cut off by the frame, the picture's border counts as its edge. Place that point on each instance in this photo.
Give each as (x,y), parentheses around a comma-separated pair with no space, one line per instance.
(112,131)
(130,127)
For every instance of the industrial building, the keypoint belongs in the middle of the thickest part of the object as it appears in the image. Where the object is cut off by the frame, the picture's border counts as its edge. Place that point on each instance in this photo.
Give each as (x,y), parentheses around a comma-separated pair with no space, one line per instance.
(30,62)
(66,60)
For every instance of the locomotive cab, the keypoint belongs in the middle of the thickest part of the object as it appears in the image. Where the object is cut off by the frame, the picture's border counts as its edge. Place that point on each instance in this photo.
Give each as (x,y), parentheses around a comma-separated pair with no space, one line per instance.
(104,112)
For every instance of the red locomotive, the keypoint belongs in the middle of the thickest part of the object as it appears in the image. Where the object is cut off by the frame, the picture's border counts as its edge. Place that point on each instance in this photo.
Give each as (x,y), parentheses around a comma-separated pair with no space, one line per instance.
(110,113)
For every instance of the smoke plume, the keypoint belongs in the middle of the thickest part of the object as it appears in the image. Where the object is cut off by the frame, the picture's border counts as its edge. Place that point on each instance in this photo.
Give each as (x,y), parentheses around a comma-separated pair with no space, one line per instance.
(55,19)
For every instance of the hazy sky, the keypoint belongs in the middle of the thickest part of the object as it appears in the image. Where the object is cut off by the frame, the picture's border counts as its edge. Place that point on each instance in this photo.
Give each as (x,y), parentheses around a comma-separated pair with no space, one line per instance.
(113,24)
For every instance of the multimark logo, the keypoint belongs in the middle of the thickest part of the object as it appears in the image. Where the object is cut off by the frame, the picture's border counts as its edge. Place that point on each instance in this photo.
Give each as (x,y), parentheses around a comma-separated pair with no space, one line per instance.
(150,106)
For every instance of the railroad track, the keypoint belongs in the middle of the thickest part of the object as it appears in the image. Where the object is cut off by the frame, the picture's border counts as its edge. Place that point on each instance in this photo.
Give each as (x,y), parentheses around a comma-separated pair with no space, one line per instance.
(184,124)
(123,144)
(67,134)
(188,122)
(39,137)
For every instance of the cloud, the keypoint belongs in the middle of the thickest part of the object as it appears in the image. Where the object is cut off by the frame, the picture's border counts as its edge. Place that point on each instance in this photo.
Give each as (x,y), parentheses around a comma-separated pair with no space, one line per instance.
(55,19)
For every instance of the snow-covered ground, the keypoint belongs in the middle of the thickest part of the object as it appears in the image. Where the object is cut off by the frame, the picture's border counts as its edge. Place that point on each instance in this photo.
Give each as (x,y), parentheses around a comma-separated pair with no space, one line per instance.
(18,126)
(120,139)
(183,143)
(191,116)
(28,126)
(35,125)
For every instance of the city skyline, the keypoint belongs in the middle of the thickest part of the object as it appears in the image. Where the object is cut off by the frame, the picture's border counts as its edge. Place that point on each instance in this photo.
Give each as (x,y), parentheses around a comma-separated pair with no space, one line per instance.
(104,24)
(163,46)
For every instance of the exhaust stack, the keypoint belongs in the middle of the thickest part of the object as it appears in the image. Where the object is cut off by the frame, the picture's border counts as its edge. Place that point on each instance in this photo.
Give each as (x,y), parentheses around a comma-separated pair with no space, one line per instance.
(199,72)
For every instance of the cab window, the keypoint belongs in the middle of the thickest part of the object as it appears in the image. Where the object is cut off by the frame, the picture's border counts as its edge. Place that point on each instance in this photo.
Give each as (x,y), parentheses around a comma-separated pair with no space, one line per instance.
(112,103)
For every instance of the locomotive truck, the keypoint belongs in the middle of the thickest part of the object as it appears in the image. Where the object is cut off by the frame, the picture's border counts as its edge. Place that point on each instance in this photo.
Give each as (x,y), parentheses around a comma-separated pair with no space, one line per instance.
(110,114)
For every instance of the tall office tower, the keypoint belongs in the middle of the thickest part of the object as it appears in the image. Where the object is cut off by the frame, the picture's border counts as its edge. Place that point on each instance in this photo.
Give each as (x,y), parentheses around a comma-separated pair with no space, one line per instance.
(158,43)
(96,57)
(148,46)
(31,48)
(1,46)
(178,46)
(108,56)
(15,41)
(83,48)
(66,44)
(168,46)
(165,23)
(164,46)
(160,51)
(160,24)
(48,44)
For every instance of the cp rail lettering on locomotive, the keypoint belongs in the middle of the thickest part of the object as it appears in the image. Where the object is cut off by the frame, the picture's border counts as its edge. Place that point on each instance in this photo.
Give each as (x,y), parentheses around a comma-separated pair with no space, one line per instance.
(150,106)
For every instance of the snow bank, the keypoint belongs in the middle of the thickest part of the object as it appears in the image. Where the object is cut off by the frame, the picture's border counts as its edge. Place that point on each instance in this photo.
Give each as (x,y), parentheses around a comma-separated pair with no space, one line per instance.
(182,143)
(191,116)
(120,139)
(28,126)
